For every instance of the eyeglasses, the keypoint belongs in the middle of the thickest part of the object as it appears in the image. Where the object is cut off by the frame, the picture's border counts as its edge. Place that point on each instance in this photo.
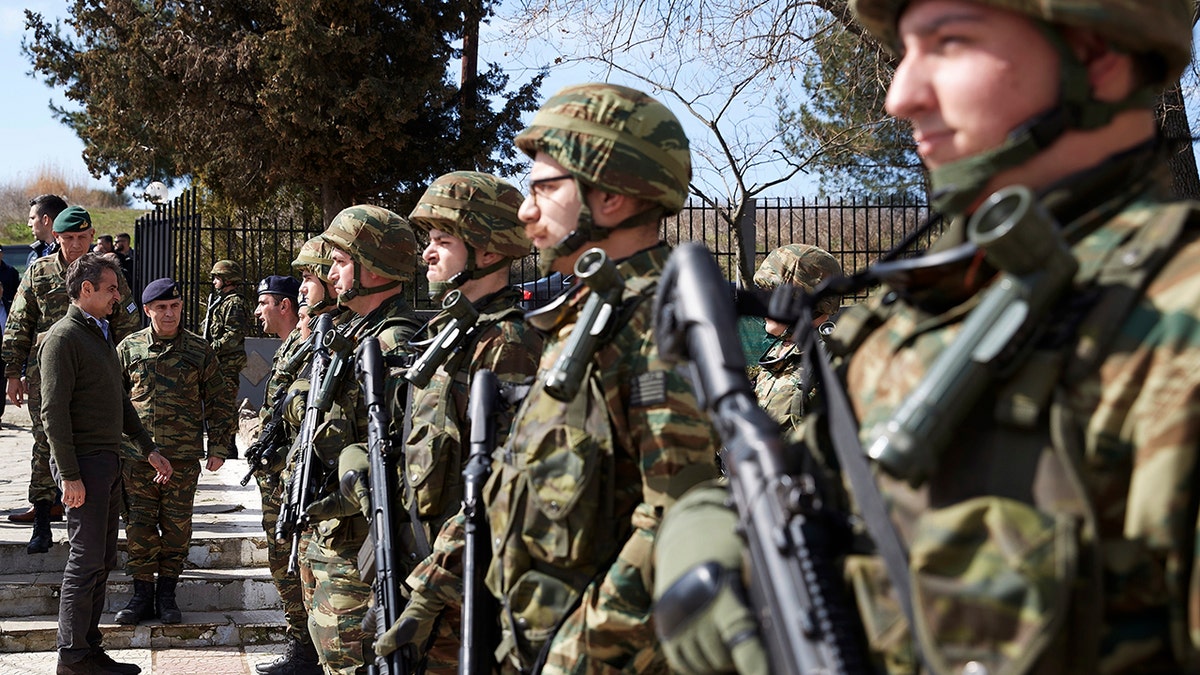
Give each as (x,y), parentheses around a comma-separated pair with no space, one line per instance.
(538,187)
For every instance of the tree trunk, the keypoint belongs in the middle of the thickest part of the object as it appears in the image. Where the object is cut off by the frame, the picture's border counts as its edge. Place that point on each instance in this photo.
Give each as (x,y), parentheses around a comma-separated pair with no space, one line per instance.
(1174,125)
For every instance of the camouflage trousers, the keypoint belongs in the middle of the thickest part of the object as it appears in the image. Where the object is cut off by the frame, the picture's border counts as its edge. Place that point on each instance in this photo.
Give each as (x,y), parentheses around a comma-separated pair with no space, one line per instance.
(289,587)
(231,370)
(612,629)
(337,604)
(41,484)
(158,525)
(443,655)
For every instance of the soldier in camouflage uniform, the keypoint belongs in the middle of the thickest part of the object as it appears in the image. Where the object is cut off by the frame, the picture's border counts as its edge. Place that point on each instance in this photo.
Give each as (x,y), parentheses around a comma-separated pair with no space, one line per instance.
(282,294)
(779,385)
(170,374)
(374,252)
(226,323)
(1055,530)
(474,235)
(577,492)
(41,300)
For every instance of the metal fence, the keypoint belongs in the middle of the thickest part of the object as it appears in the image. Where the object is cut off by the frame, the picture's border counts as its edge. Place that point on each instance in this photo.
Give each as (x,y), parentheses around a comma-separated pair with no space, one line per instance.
(179,241)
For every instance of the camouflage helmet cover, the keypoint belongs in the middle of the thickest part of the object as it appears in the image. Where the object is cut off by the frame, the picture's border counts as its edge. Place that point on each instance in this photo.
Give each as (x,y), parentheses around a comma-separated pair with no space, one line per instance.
(1162,27)
(379,239)
(227,270)
(800,265)
(616,139)
(314,254)
(478,208)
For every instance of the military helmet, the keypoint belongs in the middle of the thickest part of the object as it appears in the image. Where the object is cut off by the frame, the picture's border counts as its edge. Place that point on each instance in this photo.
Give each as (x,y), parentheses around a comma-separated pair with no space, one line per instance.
(227,270)
(478,208)
(314,254)
(800,265)
(379,240)
(1161,27)
(616,139)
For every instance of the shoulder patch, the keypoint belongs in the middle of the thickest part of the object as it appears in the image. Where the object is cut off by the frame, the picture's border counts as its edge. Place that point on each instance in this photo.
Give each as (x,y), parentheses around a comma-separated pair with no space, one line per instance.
(131,308)
(648,389)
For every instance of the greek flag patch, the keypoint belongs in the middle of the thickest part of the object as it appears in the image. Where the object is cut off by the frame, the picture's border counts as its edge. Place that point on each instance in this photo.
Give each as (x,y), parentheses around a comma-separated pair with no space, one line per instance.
(131,308)
(648,389)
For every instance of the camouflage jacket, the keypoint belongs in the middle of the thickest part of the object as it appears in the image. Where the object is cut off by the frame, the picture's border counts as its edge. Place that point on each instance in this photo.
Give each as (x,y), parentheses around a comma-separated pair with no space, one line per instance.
(286,366)
(393,323)
(178,393)
(440,430)
(42,300)
(435,450)
(226,324)
(1057,532)
(779,385)
(580,481)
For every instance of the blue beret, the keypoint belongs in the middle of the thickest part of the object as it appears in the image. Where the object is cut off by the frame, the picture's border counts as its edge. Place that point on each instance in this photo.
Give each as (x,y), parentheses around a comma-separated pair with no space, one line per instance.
(160,289)
(278,284)
(73,219)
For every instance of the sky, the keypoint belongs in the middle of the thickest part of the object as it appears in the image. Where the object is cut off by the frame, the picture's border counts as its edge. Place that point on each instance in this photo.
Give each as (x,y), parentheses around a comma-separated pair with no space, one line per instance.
(30,136)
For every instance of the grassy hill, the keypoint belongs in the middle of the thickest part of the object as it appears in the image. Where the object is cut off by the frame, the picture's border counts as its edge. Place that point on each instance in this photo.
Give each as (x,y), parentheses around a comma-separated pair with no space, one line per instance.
(110,211)
(106,220)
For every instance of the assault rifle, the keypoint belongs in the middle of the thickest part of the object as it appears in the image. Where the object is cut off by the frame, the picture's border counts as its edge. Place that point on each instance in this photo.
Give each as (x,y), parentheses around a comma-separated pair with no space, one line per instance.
(462,315)
(271,441)
(382,457)
(480,633)
(807,623)
(600,275)
(329,355)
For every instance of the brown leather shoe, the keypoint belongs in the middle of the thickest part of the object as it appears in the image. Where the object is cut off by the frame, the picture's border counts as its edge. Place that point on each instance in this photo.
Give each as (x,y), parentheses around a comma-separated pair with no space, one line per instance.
(26,517)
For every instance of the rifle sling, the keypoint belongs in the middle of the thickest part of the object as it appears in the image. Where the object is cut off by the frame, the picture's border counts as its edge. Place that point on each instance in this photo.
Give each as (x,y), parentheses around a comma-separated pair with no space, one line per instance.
(843,432)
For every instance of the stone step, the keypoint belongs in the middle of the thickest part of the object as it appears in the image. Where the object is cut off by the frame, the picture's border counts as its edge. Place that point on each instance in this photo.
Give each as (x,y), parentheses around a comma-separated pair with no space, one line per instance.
(210,590)
(205,553)
(199,629)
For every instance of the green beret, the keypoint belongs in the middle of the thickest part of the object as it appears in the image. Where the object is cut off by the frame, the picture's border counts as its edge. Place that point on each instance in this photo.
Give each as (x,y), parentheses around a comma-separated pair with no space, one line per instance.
(73,219)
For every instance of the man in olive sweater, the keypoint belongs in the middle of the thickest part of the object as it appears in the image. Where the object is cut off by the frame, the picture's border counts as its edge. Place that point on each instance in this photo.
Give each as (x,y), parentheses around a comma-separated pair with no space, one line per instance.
(82,394)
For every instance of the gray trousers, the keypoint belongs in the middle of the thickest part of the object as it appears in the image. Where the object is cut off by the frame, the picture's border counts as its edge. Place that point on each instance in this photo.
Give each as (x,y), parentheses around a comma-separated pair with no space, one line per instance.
(92,535)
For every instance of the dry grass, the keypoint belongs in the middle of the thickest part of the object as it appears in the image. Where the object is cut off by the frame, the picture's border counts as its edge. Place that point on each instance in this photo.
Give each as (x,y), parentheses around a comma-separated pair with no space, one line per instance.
(52,179)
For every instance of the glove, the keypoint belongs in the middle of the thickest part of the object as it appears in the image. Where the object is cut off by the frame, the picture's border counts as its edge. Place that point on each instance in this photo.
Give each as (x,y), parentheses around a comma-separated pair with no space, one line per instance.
(413,627)
(701,614)
(294,404)
(353,467)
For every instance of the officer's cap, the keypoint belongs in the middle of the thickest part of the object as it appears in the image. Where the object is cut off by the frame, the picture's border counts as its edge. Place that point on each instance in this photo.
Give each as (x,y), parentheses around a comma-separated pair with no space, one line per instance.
(73,219)
(278,284)
(160,289)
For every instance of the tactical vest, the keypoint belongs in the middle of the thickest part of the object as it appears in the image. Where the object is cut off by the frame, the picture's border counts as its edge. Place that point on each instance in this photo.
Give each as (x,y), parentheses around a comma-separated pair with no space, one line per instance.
(1006,551)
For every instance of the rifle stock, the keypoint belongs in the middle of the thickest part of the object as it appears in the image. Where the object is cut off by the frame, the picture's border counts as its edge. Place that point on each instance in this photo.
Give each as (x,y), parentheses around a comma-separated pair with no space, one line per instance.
(479,610)
(382,457)
(806,622)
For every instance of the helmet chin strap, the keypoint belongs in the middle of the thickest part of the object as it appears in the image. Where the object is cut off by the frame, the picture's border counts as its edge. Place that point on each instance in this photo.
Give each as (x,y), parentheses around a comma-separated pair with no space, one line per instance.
(587,231)
(357,290)
(439,289)
(958,185)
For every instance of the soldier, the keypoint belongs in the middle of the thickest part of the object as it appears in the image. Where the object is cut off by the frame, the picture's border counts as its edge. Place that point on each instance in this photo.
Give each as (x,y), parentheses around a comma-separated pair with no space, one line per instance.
(42,300)
(226,324)
(175,384)
(577,492)
(277,310)
(474,236)
(780,385)
(1053,531)
(373,252)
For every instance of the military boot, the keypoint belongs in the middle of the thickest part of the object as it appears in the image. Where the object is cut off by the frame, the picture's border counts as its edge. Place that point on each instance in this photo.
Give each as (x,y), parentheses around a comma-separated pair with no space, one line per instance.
(168,611)
(42,539)
(299,658)
(141,605)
